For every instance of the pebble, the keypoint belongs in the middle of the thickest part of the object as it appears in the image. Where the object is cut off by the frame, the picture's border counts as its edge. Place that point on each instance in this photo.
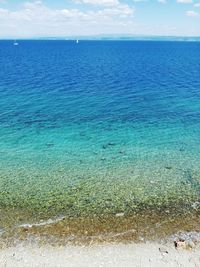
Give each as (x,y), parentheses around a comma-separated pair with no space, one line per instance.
(180,243)
(163,250)
(196,205)
(121,214)
(191,244)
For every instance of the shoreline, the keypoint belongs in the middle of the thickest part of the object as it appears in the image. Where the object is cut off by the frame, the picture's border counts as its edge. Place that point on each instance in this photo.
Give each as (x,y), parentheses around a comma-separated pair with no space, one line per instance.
(98,230)
(105,255)
(121,228)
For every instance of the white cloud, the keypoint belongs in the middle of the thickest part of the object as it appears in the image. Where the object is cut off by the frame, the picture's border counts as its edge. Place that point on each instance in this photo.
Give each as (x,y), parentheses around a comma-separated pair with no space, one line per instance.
(99,2)
(197,5)
(162,1)
(108,17)
(192,13)
(36,19)
(185,1)
(138,1)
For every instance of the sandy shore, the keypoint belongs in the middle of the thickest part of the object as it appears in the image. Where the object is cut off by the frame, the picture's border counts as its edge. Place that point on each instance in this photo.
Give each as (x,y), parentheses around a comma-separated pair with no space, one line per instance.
(110,255)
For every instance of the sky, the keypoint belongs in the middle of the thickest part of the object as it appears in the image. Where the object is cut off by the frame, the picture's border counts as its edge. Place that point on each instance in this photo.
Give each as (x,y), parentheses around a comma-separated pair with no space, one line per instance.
(63,18)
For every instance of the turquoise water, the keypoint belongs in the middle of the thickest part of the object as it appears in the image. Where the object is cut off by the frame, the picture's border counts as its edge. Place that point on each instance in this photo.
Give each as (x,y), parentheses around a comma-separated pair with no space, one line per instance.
(98,129)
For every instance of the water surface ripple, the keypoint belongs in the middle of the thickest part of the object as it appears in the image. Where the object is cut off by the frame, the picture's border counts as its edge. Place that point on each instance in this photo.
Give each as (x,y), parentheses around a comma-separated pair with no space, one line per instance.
(101,132)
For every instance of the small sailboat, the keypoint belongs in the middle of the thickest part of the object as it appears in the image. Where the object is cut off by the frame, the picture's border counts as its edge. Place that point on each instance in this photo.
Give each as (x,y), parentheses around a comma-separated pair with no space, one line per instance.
(77,41)
(15,43)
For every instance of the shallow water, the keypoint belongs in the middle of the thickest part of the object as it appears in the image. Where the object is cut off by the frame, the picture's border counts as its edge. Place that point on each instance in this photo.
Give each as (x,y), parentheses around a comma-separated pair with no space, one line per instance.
(99,129)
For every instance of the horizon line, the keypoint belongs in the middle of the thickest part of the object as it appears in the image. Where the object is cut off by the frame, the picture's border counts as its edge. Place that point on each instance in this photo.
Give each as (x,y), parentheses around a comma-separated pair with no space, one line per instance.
(104,37)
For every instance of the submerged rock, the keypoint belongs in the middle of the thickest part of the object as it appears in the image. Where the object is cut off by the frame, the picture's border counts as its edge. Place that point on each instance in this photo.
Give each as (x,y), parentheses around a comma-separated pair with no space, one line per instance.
(168,167)
(108,144)
(111,144)
(49,144)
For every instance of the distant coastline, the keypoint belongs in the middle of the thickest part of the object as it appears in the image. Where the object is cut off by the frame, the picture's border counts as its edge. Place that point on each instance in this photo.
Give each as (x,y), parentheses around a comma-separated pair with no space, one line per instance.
(112,38)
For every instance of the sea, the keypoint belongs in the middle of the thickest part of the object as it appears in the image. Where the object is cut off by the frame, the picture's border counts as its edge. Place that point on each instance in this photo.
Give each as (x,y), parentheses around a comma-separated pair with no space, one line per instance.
(99,140)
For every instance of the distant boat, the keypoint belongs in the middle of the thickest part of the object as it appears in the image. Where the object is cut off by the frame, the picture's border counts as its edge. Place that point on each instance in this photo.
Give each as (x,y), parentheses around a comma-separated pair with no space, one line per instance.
(77,41)
(15,43)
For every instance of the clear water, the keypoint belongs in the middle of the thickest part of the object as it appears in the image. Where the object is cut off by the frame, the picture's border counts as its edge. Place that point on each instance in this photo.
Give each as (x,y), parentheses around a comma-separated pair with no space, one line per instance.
(99,128)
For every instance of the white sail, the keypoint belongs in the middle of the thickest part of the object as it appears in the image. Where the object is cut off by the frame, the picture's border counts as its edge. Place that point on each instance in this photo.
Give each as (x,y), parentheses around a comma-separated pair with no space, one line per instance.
(15,43)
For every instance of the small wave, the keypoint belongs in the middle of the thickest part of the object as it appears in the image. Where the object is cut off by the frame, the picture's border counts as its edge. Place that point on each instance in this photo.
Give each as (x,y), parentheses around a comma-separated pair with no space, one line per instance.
(42,223)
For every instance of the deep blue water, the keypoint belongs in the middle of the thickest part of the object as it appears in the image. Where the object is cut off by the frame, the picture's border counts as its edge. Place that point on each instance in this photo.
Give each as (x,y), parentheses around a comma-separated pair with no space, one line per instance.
(120,117)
